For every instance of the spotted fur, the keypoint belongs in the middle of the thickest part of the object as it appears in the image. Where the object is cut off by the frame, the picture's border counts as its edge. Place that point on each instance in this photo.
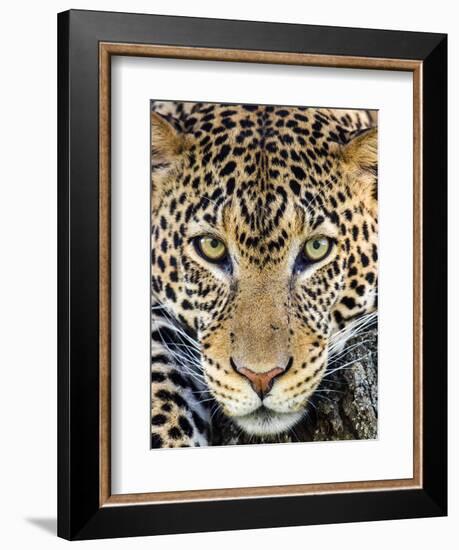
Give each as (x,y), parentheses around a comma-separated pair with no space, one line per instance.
(263,179)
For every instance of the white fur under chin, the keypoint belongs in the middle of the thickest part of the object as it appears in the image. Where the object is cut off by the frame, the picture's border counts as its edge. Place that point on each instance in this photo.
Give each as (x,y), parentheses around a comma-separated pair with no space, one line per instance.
(267,422)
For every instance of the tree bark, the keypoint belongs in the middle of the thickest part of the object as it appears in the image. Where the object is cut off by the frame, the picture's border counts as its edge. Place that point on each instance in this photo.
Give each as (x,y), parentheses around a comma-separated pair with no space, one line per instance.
(345,406)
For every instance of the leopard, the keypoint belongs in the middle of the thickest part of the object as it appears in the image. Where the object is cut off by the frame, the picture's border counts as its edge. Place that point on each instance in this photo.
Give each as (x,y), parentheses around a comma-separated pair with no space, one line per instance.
(264,252)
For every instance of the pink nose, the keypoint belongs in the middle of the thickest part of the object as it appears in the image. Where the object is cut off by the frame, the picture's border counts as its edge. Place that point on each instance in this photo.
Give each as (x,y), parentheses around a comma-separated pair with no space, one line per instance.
(261,382)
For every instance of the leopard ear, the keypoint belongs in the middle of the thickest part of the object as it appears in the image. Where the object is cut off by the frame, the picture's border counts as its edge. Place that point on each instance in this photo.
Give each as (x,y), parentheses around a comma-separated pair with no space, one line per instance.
(167,142)
(360,156)
(361,150)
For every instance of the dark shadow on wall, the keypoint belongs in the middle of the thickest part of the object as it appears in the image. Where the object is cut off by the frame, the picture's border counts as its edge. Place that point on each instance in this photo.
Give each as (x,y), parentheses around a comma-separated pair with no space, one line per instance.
(45,524)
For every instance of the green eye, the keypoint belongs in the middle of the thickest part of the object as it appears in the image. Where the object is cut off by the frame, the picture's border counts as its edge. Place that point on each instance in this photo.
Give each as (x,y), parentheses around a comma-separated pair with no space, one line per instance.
(211,248)
(317,248)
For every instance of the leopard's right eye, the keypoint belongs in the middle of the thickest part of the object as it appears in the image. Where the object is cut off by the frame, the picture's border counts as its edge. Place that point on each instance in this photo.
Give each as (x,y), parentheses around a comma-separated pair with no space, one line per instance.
(210,248)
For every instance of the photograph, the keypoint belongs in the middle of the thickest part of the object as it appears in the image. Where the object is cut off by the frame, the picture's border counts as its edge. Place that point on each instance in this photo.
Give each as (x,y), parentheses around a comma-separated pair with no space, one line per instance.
(264,274)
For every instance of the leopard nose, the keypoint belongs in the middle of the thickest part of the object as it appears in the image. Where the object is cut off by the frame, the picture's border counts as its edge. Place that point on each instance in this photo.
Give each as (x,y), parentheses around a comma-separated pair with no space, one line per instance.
(261,382)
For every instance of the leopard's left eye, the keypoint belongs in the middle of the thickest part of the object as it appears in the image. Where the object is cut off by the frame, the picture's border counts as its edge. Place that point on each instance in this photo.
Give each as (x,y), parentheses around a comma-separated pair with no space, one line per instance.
(317,248)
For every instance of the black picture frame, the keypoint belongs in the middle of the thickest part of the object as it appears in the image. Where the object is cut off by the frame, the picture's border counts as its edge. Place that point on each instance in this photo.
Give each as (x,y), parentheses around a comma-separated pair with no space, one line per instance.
(80,515)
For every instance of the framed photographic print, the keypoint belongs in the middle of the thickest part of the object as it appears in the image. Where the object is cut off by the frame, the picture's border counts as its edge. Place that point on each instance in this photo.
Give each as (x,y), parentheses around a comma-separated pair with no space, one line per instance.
(252,274)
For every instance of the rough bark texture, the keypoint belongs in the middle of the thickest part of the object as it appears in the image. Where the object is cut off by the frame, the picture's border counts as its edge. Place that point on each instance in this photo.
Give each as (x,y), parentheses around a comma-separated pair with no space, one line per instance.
(345,405)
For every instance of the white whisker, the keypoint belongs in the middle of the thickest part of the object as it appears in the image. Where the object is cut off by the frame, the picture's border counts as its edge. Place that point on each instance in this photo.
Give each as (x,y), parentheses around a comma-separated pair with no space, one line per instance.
(346,365)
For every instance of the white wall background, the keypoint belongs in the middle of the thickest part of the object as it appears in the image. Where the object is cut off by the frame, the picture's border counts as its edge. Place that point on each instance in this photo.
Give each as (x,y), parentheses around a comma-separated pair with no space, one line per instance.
(28,269)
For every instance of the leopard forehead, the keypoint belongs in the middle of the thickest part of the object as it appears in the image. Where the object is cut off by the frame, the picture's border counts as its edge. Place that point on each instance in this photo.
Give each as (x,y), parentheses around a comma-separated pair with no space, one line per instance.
(247,165)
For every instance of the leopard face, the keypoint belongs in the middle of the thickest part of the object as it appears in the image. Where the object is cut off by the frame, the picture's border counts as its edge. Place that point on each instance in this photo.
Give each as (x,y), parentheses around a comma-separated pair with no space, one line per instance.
(264,246)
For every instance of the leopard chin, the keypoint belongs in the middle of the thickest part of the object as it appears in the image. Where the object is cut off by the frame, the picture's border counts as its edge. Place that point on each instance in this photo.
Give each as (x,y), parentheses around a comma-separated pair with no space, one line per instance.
(264,421)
